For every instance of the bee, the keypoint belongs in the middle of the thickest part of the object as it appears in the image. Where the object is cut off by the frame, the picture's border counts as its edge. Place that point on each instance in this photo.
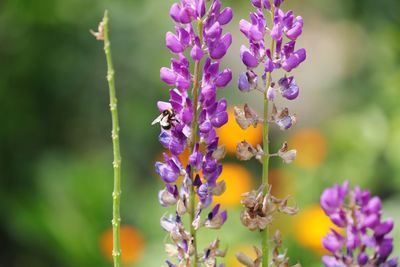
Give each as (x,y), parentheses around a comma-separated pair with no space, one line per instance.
(166,119)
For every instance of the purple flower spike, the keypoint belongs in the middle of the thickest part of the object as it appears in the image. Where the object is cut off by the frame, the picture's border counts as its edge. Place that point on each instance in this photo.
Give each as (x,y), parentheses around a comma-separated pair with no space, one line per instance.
(205,48)
(355,215)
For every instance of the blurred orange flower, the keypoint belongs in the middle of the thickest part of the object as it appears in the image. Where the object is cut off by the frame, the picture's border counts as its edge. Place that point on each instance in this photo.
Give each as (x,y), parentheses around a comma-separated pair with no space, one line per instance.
(230,134)
(132,244)
(238,181)
(311,147)
(310,226)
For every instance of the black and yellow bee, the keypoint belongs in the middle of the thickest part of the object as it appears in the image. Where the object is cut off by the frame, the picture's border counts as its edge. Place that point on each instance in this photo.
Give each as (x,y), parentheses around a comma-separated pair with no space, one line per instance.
(166,119)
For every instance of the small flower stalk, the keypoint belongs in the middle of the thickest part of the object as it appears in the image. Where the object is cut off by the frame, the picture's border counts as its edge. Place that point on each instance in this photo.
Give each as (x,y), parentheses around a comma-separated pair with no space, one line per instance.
(102,35)
(272,34)
(188,121)
(364,237)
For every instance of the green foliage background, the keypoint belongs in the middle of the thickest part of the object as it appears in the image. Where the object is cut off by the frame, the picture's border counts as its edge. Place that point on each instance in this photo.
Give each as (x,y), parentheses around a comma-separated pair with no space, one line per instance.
(55,146)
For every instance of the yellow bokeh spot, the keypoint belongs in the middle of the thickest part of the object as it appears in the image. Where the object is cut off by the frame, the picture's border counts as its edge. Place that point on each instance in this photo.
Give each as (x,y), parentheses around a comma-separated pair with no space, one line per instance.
(132,244)
(310,226)
(311,147)
(231,257)
(238,181)
(231,134)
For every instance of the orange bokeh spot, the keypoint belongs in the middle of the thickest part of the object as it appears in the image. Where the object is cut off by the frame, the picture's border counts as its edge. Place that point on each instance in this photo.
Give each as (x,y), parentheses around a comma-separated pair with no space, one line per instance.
(311,225)
(231,134)
(132,244)
(281,182)
(238,181)
(311,147)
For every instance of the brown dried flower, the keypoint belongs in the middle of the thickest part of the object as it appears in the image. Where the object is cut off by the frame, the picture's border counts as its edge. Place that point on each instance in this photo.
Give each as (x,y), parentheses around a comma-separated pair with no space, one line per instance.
(259,208)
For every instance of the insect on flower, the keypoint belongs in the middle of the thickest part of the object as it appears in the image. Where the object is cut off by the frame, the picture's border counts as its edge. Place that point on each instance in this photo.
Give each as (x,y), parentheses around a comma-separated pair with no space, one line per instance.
(166,119)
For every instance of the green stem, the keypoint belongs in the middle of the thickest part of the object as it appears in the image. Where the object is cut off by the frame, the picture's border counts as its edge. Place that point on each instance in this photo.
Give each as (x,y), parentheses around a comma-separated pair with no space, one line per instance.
(196,86)
(116,195)
(265,233)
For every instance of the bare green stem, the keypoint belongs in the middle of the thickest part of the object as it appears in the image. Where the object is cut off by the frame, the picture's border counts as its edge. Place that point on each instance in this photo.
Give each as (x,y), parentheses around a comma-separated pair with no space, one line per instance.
(265,233)
(116,195)
(195,137)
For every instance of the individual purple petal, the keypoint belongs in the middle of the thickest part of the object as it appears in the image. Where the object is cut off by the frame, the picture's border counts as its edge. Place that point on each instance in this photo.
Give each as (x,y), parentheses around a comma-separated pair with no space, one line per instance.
(371,221)
(166,172)
(277,3)
(362,258)
(167,75)
(225,16)
(385,248)
(267,4)
(174,12)
(289,88)
(224,216)
(201,8)
(285,122)
(392,262)
(333,198)
(173,43)
(296,30)
(214,211)
(220,119)
(330,261)
(269,65)
(374,205)
(276,32)
(256,3)
(384,227)
(216,6)
(195,159)
(227,39)
(182,83)
(185,16)
(243,82)
(247,57)
(161,105)
(244,26)
(294,60)
(217,50)
(214,31)
(196,53)
(338,219)
(223,78)
(331,243)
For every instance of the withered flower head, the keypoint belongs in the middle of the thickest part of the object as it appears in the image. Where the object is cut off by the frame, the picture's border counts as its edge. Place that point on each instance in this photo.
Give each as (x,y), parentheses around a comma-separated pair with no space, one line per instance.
(287,155)
(256,213)
(211,253)
(246,117)
(279,258)
(245,151)
(259,208)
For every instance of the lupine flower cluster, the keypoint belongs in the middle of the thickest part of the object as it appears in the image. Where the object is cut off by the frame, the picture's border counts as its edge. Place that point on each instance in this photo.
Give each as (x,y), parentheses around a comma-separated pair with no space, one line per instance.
(365,239)
(280,54)
(198,37)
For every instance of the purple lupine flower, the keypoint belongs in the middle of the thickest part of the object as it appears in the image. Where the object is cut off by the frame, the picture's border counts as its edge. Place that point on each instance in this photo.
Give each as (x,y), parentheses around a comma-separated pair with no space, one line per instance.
(365,238)
(189,47)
